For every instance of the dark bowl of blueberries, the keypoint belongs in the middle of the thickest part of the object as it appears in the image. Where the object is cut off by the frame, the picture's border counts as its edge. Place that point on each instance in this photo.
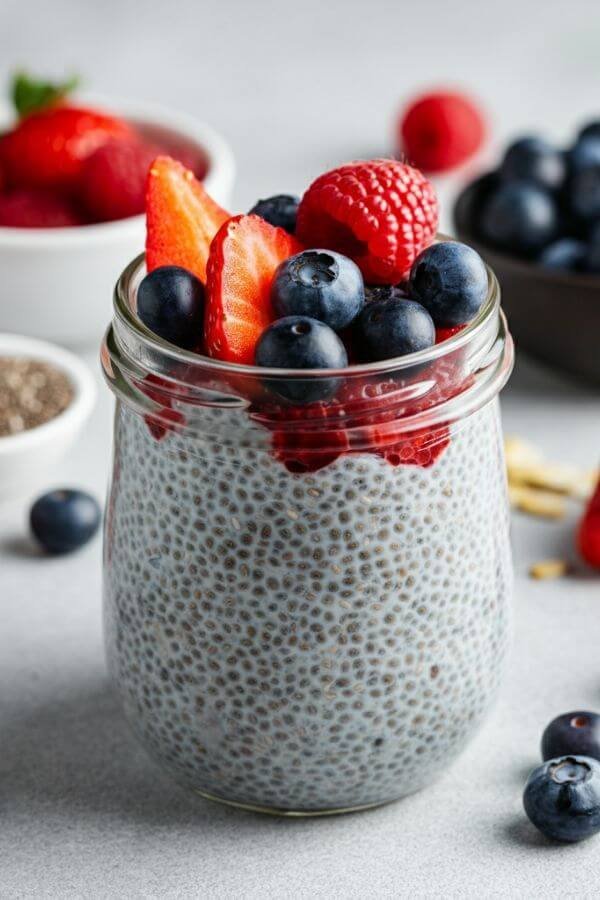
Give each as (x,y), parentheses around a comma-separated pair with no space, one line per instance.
(536,222)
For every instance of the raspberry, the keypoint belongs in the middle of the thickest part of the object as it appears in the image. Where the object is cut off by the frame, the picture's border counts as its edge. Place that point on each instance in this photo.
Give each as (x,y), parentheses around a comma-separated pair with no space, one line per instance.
(439,131)
(113,182)
(380,213)
(36,208)
(588,537)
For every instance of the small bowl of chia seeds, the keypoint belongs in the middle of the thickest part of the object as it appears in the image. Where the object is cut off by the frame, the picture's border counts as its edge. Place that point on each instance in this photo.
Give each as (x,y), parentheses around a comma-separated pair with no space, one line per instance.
(46,395)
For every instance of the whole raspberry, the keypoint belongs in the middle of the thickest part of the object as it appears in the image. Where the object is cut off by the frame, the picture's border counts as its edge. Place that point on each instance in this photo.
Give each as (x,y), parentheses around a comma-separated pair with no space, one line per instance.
(36,208)
(588,535)
(113,181)
(381,213)
(439,131)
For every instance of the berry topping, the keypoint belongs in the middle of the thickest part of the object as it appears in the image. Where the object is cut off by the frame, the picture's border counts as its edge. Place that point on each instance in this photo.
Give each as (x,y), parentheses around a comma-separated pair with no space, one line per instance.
(299,342)
(518,217)
(439,131)
(566,253)
(37,208)
(535,160)
(243,259)
(450,280)
(113,180)
(393,327)
(575,732)
(280,211)
(384,292)
(321,284)
(181,218)
(170,302)
(64,520)
(562,798)
(588,536)
(380,213)
(48,148)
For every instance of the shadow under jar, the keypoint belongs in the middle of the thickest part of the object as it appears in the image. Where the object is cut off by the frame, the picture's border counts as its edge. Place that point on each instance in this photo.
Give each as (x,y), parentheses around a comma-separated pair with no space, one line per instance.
(307,608)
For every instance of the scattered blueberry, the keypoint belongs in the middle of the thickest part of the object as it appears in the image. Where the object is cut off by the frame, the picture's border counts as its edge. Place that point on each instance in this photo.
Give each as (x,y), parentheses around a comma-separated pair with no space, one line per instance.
(567,253)
(577,733)
(591,262)
(467,212)
(534,160)
(450,280)
(519,218)
(280,210)
(299,342)
(321,284)
(170,302)
(64,520)
(562,798)
(393,327)
(592,129)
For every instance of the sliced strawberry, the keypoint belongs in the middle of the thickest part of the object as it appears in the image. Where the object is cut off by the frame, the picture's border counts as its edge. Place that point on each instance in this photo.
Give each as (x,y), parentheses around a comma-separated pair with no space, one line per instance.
(181,218)
(243,258)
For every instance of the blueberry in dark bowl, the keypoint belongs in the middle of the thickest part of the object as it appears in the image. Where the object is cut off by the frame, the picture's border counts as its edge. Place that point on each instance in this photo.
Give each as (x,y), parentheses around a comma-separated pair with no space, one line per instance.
(170,302)
(562,798)
(450,280)
(582,189)
(534,160)
(519,218)
(576,732)
(64,520)
(299,342)
(321,284)
(393,327)
(470,203)
(590,129)
(281,210)
(568,254)
(591,262)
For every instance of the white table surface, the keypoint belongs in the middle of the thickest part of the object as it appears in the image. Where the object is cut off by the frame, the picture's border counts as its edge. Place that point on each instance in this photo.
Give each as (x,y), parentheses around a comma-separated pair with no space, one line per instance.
(83,812)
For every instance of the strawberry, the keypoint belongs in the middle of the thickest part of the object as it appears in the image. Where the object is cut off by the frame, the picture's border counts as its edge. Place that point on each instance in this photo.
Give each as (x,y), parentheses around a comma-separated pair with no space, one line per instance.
(181,218)
(243,258)
(36,208)
(47,148)
(113,180)
(588,535)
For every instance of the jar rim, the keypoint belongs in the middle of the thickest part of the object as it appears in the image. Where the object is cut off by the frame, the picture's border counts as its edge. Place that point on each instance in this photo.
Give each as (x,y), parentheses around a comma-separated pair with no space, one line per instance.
(127,320)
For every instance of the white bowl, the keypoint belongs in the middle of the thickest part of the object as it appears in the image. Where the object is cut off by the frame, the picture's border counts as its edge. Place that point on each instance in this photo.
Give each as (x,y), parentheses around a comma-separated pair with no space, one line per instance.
(57,283)
(26,457)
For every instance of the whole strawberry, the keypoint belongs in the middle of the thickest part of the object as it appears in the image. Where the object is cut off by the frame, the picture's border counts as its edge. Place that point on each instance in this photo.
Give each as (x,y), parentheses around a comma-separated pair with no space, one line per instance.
(36,208)
(113,179)
(380,213)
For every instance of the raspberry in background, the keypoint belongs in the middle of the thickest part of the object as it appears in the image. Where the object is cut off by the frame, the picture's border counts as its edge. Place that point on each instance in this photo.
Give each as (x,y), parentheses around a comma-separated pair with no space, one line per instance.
(381,213)
(588,536)
(31,208)
(113,180)
(439,131)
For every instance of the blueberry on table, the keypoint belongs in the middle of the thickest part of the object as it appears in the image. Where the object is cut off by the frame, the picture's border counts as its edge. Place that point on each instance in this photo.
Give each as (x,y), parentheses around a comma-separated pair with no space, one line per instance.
(321,284)
(562,798)
(299,342)
(519,218)
(567,253)
(64,520)
(280,210)
(535,160)
(393,327)
(577,733)
(450,280)
(170,302)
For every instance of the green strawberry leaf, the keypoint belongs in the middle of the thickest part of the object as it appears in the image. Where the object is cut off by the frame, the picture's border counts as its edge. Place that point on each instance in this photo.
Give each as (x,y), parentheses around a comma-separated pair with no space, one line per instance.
(31,94)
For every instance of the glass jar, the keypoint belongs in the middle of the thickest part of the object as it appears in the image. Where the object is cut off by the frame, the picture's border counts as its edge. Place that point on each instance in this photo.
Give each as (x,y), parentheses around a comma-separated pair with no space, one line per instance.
(307,606)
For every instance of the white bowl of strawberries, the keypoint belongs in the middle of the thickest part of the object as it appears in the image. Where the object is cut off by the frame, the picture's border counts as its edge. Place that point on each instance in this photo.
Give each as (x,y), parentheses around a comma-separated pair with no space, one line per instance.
(72,186)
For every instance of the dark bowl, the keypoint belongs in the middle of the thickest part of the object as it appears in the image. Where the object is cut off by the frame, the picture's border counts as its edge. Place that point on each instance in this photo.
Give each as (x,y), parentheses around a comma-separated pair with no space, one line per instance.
(553,315)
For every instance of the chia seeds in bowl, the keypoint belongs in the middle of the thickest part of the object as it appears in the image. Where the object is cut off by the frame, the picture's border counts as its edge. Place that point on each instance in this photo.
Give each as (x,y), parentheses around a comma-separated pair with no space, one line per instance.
(306,613)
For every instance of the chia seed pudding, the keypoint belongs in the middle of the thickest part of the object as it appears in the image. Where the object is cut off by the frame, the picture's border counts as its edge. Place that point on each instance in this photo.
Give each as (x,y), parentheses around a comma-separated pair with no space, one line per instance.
(304,641)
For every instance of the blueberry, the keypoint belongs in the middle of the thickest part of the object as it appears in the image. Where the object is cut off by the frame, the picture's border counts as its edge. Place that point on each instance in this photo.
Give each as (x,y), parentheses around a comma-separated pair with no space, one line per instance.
(384,292)
(591,262)
(534,160)
(562,798)
(592,129)
(585,152)
(393,327)
(577,733)
(320,284)
(64,520)
(299,342)
(170,302)
(467,211)
(280,210)
(582,192)
(450,280)
(519,218)
(566,253)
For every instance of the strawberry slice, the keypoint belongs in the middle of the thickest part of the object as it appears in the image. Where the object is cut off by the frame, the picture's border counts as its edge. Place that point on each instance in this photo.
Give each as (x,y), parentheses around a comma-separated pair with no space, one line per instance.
(181,218)
(243,258)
